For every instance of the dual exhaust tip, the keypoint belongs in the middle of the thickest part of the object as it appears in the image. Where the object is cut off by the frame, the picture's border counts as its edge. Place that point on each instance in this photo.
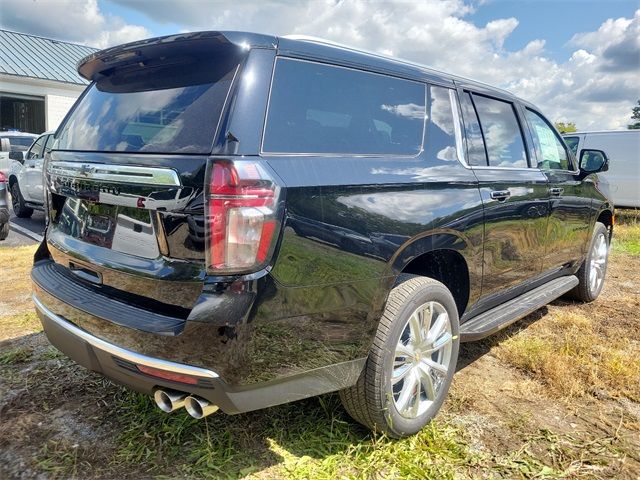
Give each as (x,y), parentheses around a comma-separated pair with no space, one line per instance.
(171,400)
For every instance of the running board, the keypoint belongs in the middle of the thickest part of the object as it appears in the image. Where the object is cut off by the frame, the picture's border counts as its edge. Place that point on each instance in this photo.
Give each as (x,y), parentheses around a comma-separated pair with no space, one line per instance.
(497,318)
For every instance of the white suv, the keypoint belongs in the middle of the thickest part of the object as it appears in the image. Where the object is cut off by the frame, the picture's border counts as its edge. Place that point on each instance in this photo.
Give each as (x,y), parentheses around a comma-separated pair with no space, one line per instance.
(25,177)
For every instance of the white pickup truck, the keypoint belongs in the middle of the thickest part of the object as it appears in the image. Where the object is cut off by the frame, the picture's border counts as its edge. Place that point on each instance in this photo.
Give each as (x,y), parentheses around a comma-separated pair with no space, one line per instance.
(25,177)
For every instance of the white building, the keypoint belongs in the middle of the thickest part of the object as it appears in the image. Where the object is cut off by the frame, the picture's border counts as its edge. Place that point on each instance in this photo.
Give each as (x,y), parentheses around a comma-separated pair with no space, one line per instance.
(38,81)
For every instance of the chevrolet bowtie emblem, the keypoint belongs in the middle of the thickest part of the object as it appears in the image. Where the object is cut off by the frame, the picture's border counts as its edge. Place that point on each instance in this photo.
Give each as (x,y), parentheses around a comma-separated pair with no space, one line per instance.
(86,170)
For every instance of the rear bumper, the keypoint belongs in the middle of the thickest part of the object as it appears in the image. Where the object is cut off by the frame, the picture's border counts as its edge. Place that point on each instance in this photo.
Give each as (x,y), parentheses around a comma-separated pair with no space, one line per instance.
(120,364)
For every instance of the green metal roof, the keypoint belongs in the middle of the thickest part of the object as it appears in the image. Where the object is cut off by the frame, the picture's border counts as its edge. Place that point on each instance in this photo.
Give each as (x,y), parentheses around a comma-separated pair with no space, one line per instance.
(38,57)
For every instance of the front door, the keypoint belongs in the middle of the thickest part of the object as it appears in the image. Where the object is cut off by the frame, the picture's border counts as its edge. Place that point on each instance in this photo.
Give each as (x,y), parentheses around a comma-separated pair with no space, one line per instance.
(33,169)
(568,230)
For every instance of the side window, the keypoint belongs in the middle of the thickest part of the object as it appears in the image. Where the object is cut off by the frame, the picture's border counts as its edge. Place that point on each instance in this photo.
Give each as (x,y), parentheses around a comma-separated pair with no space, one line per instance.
(552,154)
(49,144)
(36,148)
(477,156)
(501,131)
(441,135)
(572,143)
(323,109)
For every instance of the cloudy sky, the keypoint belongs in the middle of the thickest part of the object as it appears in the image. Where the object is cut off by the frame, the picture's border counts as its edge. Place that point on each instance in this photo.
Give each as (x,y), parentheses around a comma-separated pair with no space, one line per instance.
(579,60)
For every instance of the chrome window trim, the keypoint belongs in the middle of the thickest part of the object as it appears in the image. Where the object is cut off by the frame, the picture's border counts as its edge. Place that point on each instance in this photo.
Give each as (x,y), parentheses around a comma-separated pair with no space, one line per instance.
(120,352)
(349,155)
(115,173)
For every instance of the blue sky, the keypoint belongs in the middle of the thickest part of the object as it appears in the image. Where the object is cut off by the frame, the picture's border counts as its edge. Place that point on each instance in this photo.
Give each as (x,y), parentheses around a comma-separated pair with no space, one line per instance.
(554,20)
(578,60)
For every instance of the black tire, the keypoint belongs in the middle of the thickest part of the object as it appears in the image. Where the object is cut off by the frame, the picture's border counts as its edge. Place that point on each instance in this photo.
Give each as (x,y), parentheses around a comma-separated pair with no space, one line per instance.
(4,231)
(372,400)
(584,291)
(17,202)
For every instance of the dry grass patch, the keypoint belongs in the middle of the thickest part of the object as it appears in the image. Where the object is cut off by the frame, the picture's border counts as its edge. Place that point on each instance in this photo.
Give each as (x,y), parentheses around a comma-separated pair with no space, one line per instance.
(565,350)
(15,265)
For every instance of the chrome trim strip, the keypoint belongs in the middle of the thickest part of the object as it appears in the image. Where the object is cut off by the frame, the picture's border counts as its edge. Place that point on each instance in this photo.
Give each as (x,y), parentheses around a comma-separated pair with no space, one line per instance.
(120,352)
(115,173)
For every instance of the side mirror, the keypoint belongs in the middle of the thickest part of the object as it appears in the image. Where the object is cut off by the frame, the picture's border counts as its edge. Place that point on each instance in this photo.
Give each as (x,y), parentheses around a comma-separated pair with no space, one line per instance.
(5,145)
(17,156)
(593,161)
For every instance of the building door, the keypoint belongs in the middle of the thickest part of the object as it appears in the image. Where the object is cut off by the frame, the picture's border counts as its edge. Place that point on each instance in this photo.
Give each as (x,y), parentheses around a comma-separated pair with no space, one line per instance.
(22,113)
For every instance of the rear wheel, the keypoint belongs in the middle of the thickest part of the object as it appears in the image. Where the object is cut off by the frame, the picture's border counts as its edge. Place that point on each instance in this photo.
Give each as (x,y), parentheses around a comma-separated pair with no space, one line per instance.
(593,270)
(17,202)
(411,363)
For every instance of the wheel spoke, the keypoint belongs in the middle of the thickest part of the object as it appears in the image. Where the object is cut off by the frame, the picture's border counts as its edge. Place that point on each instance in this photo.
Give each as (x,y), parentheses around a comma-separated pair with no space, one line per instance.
(438,327)
(427,381)
(443,340)
(407,393)
(403,350)
(400,373)
(416,329)
(438,367)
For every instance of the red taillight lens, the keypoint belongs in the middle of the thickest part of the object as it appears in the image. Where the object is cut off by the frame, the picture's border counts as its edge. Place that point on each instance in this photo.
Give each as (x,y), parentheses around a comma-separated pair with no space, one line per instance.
(242,204)
(3,178)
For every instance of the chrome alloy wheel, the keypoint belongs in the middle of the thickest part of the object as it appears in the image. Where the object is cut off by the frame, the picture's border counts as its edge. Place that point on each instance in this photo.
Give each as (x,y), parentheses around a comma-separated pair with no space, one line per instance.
(598,263)
(422,360)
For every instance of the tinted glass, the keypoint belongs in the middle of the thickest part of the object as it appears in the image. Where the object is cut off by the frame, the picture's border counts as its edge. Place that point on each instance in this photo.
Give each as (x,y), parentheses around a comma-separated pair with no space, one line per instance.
(167,109)
(318,108)
(501,131)
(49,144)
(36,149)
(552,155)
(440,140)
(572,143)
(475,144)
(20,144)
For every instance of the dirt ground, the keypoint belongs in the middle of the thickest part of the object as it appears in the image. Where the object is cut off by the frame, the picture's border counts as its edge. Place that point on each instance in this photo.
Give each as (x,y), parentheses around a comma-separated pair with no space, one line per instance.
(556,395)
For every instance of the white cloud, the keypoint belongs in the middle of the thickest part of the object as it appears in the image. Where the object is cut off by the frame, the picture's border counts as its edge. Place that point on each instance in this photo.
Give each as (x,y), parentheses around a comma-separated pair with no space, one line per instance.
(595,87)
(78,21)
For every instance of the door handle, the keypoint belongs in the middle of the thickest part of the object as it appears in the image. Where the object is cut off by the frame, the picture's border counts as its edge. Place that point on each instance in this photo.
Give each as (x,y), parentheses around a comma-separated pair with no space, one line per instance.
(500,195)
(557,191)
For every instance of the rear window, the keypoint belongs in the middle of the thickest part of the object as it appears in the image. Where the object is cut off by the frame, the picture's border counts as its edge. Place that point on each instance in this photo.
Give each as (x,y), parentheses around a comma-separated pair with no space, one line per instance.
(165,109)
(20,144)
(323,109)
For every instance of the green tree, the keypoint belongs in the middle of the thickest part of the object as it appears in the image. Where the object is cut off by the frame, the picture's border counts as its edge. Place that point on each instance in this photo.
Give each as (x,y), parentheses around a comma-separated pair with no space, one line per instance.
(567,127)
(635,115)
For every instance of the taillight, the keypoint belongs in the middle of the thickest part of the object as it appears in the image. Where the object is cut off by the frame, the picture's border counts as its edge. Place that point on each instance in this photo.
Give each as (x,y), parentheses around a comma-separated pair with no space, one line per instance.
(3,178)
(242,217)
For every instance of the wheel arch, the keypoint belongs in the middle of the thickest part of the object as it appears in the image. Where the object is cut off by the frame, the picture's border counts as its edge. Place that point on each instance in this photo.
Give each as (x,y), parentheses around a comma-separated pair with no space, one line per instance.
(446,256)
(606,217)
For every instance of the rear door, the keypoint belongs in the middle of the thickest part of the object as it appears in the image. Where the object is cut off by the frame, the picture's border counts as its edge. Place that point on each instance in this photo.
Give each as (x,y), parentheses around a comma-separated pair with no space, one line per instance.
(515,196)
(568,230)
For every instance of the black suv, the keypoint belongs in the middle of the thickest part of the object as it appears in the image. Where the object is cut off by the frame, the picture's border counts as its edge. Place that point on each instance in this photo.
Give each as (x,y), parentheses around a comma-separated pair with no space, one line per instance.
(238,221)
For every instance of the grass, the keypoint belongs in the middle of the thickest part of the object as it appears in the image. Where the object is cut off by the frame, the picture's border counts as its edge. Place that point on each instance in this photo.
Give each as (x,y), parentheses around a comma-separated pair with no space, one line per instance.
(626,233)
(565,351)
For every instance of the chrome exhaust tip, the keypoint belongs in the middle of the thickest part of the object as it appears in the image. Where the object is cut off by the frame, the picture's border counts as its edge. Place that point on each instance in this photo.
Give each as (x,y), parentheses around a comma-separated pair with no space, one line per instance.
(199,407)
(169,400)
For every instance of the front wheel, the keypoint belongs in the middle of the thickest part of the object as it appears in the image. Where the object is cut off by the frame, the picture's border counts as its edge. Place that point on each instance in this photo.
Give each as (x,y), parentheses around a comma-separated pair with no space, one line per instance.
(593,270)
(17,202)
(411,363)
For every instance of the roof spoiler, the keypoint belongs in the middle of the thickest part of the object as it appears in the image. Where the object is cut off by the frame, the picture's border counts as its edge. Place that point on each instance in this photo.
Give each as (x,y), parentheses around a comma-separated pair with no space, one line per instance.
(101,63)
